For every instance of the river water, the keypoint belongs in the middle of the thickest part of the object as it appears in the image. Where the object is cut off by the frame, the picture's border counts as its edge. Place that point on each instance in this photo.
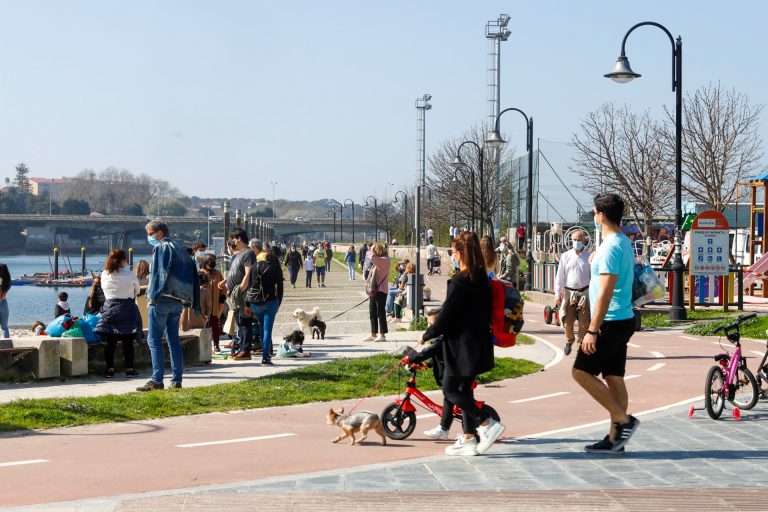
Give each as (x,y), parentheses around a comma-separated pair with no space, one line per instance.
(30,303)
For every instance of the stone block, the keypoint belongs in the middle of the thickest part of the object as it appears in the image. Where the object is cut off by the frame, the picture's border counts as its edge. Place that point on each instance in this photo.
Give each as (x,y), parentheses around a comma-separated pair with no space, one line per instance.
(6,343)
(47,361)
(73,355)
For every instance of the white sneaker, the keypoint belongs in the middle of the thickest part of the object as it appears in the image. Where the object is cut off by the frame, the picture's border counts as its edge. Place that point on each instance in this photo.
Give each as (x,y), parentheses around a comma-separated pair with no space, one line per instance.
(462,446)
(489,434)
(380,337)
(370,338)
(437,433)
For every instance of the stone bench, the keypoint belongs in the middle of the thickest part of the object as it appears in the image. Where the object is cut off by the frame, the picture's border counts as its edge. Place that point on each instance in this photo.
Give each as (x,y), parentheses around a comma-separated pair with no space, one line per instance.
(47,357)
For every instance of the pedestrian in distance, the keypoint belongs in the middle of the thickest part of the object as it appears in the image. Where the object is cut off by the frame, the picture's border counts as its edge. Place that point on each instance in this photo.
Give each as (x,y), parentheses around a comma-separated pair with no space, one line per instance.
(464,322)
(217,297)
(119,314)
(5,287)
(520,237)
(510,264)
(328,258)
(349,259)
(173,283)
(379,260)
(309,267)
(319,257)
(293,262)
(490,258)
(571,290)
(604,347)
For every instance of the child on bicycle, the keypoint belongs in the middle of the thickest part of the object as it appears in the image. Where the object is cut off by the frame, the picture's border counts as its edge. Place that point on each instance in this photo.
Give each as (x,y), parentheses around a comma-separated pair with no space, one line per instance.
(435,353)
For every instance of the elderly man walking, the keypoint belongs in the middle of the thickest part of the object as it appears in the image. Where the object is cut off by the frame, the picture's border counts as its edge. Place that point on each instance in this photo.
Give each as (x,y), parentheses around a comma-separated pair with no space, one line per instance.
(173,284)
(604,348)
(571,285)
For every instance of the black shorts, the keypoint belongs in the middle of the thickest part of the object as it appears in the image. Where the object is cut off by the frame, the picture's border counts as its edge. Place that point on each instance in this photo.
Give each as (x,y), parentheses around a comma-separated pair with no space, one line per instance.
(610,356)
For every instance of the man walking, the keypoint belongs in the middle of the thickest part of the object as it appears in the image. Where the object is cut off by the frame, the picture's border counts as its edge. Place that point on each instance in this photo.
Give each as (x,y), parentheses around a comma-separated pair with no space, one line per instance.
(571,285)
(604,347)
(520,237)
(236,284)
(319,256)
(173,284)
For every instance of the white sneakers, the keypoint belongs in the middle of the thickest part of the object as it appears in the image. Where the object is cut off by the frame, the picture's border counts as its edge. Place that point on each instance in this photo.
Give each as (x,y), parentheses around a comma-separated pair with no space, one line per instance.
(380,337)
(370,338)
(437,433)
(463,446)
(488,435)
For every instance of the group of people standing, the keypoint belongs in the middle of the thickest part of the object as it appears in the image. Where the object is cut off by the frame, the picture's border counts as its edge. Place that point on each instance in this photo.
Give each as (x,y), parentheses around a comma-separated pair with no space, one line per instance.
(315,258)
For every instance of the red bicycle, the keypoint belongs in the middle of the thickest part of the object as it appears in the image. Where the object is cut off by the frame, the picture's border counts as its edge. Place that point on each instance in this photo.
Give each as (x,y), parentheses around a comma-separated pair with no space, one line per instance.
(399,417)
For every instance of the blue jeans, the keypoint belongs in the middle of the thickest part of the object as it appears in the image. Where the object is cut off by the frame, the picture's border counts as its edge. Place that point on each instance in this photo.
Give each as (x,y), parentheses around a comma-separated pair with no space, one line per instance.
(164,319)
(266,313)
(351,268)
(390,306)
(4,318)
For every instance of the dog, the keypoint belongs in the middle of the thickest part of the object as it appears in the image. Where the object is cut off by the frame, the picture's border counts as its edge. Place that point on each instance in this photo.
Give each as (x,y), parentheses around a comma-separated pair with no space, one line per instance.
(303,318)
(318,327)
(350,424)
(296,339)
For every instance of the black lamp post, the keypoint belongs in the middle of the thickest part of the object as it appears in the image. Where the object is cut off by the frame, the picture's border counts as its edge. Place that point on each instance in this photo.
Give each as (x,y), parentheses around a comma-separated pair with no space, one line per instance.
(353,217)
(328,214)
(458,162)
(341,219)
(375,215)
(494,140)
(405,214)
(622,73)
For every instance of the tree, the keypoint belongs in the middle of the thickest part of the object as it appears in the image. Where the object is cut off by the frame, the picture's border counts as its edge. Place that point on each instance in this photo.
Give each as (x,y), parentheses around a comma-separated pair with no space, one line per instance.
(620,151)
(132,209)
(166,208)
(22,180)
(721,145)
(75,207)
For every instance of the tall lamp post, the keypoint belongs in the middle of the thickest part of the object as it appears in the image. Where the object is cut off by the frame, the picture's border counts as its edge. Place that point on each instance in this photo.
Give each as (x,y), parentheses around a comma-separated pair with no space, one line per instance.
(328,214)
(495,140)
(273,183)
(341,220)
(457,163)
(405,214)
(622,73)
(375,215)
(353,217)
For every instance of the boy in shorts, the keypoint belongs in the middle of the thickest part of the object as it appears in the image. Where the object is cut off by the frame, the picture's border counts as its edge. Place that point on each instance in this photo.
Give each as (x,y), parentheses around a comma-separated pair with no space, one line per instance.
(604,347)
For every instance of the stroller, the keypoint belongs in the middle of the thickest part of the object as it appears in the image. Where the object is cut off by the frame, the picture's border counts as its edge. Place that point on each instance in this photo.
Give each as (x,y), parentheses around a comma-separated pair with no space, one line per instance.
(433,266)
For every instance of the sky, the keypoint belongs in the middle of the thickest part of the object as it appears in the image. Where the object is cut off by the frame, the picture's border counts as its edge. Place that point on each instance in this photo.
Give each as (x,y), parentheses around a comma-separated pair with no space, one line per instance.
(221,98)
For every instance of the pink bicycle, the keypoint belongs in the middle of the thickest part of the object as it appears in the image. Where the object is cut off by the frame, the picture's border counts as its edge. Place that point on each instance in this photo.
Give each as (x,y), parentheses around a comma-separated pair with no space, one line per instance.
(730,379)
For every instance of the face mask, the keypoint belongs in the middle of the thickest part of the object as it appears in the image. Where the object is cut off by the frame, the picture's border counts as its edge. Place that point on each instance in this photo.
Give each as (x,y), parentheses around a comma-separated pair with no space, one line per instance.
(293,249)
(200,254)
(597,224)
(578,245)
(454,262)
(154,242)
(503,249)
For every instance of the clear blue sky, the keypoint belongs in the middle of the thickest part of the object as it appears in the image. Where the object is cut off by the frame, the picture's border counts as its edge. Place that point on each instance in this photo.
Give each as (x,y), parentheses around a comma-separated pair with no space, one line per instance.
(222,97)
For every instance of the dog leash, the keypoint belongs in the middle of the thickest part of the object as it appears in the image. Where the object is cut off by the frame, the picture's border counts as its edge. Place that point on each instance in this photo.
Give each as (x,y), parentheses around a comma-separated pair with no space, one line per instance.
(347,311)
(381,381)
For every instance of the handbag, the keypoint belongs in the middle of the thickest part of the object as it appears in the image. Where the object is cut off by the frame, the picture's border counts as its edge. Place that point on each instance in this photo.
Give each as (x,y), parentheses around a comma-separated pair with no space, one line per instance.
(646,286)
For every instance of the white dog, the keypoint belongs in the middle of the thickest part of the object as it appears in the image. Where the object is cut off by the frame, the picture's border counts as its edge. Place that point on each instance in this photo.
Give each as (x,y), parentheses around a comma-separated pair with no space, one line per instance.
(303,318)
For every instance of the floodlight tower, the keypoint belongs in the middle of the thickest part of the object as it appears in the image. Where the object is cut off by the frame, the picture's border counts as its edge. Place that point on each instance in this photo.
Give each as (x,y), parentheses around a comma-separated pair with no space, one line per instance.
(495,31)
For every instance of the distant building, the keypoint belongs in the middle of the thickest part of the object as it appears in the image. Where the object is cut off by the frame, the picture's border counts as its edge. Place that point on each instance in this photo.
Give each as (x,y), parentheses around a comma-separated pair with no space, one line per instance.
(57,188)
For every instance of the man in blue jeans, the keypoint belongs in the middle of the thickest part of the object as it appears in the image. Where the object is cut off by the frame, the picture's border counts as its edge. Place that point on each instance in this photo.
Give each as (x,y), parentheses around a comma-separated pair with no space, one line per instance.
(173,284)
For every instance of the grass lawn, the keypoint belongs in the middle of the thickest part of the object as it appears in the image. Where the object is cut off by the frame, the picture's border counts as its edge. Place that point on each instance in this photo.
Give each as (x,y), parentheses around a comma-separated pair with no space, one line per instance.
(523,339)
(754,328)
(662,319)
(335,380)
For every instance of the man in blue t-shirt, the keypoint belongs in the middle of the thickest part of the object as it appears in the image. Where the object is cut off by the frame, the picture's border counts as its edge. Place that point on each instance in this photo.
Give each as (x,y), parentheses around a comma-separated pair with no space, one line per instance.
(604,347)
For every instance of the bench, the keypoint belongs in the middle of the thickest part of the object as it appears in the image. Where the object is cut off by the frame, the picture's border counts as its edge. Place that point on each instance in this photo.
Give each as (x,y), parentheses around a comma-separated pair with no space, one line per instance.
(43,355)
(15,360)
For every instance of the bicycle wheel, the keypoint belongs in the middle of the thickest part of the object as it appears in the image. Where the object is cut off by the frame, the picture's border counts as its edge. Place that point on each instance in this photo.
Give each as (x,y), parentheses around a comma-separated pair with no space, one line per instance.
(714,393)
(397,424)
(747,393)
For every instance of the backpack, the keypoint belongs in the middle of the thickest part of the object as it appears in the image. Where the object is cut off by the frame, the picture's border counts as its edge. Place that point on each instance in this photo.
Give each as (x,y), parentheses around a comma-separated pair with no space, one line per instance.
(372,282)
(506,313)
(256,293)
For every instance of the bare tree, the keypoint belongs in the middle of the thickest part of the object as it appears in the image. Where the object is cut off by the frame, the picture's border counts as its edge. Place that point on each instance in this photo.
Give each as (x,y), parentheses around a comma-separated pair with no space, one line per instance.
(721,144)
(620,151)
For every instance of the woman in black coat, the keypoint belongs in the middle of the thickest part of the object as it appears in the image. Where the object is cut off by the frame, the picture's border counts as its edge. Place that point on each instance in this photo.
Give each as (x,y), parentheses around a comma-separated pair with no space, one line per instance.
(465,323)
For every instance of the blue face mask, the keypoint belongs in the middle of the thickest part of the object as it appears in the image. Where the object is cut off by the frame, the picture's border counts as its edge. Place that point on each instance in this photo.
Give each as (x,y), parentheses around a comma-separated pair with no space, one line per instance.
(578,245)
(597,224)
(154,242)
(454,262)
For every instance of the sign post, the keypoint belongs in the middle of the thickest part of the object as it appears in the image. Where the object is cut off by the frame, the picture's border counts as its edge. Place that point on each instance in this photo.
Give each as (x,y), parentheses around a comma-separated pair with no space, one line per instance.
(710,250)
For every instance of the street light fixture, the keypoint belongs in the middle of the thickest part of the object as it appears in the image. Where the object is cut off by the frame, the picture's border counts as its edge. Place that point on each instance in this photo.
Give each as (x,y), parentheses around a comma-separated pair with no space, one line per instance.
(353,217)
(328,214)
(622,73)
(405,214)
(273,183)
(457,163)
(375,215)
(494,139)
(341,219)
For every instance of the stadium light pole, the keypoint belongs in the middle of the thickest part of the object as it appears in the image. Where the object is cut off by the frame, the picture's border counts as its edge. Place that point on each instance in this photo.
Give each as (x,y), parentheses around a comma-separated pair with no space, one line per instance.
(622,73)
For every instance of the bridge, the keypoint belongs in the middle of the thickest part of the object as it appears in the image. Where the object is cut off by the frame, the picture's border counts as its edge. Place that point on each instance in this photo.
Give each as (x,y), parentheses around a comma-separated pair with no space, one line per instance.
(132,226)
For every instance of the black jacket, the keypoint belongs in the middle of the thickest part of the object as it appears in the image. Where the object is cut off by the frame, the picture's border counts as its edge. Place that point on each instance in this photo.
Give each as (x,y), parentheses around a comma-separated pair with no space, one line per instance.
(293,259)
(271,278)
(118,316)
(434,352)
(465,322)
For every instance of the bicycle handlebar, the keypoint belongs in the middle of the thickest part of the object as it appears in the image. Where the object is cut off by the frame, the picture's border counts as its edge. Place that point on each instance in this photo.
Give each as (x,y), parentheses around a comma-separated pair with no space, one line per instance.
(736,324)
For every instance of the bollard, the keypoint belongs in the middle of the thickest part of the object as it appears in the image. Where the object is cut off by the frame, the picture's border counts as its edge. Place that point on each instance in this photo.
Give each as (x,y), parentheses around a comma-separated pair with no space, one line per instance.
(130,258)
(82,261)
(740,277)
(55,262)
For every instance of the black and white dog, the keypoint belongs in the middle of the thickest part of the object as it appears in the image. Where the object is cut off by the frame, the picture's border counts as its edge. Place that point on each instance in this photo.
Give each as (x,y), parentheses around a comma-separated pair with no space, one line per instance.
(318,327)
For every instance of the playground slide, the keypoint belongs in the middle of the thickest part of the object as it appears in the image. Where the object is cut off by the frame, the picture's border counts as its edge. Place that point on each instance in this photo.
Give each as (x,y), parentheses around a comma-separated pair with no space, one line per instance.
(759,270)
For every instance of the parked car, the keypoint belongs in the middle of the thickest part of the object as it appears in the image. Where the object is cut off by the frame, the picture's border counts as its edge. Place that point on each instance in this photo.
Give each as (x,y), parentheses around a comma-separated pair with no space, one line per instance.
(301,219)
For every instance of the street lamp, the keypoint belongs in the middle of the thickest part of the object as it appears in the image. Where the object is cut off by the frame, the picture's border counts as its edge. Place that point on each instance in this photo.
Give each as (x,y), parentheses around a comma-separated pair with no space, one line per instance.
(457,163)
(622,73)
(341,219)
(328,214)
(375,215)
(353,217)
(405,214)
(495,140)
(273,183)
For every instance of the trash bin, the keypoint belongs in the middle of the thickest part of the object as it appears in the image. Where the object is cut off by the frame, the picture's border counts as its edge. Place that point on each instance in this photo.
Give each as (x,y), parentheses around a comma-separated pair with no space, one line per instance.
(411,288)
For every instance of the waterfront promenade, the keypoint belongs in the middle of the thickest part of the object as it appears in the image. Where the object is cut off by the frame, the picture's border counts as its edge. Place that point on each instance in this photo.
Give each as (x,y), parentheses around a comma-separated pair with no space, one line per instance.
(283,456)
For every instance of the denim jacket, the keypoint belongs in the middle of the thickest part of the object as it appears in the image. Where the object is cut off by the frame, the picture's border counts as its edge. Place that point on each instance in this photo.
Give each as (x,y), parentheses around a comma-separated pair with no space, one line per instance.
(173,274)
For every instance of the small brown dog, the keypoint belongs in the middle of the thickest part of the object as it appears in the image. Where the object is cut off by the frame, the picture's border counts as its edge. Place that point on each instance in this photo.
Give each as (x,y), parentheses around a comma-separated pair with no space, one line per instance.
(350,424)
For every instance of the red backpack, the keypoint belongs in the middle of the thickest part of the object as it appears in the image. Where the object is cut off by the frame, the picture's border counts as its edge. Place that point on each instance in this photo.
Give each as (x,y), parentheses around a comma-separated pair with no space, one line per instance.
(506,313)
